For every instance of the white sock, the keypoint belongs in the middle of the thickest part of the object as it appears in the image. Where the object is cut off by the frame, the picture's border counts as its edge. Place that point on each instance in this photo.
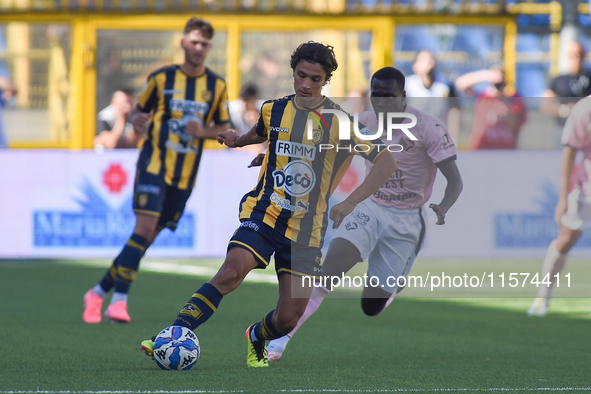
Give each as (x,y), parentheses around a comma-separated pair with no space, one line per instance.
(554,262)
(316,298)
(279,344)
(98,290)
(119,297)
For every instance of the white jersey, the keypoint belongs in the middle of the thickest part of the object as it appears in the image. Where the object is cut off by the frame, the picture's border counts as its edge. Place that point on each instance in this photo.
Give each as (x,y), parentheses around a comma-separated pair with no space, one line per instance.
(411,185)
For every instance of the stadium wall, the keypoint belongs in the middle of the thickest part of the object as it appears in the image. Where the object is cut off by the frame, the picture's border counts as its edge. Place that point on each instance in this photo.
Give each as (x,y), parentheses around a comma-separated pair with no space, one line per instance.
(77,204)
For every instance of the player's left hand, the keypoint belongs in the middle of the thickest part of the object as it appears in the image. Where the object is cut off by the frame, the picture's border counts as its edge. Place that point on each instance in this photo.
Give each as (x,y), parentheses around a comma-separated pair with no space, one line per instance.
(439,212)
(339,212)
(257,161)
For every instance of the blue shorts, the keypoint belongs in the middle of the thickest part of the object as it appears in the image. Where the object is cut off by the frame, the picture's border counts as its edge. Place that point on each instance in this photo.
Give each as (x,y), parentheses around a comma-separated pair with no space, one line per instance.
(153,197)
(290,257)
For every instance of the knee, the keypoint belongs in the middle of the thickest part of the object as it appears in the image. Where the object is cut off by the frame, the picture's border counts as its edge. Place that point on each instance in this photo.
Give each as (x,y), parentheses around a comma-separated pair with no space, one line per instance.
(226,280)
(373,306)
(228,275)
(565,241)
(146,229)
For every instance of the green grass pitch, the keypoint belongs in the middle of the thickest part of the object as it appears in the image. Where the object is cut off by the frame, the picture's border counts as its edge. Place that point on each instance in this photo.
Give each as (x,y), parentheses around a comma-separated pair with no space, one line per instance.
(416,345)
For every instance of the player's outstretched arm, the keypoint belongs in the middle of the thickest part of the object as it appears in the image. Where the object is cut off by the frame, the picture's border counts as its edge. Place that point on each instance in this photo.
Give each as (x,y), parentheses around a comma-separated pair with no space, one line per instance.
(454,187)
(198,131)
(383,167)
(232,139)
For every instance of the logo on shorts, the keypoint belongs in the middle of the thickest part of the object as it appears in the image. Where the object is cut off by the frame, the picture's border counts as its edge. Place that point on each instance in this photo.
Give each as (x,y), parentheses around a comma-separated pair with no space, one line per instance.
(351,225)
(150,189)
(142,200)
(361,218)
(297,178)
(250,225)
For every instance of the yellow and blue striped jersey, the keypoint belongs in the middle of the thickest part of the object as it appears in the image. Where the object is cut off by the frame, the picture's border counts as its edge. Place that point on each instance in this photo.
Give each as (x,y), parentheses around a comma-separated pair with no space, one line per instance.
(299,173)
(175,98)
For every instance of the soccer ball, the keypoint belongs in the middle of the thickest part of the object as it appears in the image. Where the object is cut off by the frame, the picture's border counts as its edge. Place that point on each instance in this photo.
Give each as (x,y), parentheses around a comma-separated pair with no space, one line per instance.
(176,347)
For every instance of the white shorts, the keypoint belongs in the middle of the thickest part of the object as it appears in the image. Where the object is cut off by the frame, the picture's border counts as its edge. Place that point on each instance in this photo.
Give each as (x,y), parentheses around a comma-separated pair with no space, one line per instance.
(389,237)
(578,212)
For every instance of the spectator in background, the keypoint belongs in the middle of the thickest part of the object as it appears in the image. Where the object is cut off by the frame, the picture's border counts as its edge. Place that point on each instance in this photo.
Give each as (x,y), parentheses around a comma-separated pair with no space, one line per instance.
(244,112)
(114,130)
(432,96)
(499,113)
(566,89)
(7,91)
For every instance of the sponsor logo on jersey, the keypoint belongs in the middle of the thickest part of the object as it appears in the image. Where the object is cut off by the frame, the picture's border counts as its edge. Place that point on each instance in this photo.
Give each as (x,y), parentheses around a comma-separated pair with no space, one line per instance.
(297,178)
(284,203)
(295,149)
(189,106)
(279,129)
(172,91)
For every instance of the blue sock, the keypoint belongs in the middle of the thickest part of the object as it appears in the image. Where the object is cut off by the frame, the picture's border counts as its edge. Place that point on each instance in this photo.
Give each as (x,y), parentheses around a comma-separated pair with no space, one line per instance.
(265,328)
(108,280)
(199,308)
(128,262)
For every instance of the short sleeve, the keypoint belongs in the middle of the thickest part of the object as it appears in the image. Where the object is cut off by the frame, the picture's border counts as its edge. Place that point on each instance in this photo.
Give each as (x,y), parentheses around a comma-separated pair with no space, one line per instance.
(222,111)
(149,95)
(262,125)
(102,125)
(577,129)
(438,143)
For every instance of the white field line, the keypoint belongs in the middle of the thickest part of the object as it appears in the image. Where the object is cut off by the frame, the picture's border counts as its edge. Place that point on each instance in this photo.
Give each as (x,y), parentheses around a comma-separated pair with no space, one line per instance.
(401,390)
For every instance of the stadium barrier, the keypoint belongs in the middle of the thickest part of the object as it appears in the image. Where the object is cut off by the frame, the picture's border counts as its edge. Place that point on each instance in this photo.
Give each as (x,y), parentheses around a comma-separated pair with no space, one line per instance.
(77,204)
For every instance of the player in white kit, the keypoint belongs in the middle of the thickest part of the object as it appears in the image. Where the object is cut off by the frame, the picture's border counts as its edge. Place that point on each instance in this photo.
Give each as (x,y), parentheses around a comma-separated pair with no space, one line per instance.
(388,228)
(573,211)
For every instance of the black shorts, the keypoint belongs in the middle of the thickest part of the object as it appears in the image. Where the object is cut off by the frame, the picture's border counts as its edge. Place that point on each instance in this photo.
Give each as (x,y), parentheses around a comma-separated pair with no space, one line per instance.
(290,257)
(153,197)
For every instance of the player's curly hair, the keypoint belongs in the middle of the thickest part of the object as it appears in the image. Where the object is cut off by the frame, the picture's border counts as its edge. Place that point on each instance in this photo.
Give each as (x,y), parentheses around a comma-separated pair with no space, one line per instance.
(315,52)
(199,24)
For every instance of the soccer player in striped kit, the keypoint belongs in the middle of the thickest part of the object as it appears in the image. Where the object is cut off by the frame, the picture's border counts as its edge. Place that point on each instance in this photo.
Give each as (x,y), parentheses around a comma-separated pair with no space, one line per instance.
(182,106)
(286,214)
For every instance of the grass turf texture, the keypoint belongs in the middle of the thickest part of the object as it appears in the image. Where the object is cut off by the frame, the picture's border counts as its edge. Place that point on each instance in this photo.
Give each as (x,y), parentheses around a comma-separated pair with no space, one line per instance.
(416,344)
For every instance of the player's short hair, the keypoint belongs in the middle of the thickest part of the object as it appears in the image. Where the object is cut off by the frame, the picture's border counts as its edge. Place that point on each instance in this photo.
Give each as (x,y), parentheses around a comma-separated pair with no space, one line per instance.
(315,52)
(199,24)
(389,74)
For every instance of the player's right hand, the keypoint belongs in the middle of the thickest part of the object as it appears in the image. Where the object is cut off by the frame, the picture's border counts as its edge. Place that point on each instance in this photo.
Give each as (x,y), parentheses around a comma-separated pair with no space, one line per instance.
(228,137)
(139,121)
(339,212)
(560,210)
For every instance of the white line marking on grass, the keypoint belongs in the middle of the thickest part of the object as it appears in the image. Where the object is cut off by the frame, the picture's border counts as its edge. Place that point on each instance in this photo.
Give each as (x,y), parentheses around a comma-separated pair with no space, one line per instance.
(300,390)
(201,271)
(186,269)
